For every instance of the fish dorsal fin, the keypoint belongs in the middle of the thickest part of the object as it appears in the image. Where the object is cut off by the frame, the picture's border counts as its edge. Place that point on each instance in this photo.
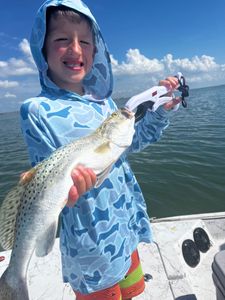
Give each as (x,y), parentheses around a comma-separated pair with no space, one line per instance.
(8,213)
(9,209)
(103,148)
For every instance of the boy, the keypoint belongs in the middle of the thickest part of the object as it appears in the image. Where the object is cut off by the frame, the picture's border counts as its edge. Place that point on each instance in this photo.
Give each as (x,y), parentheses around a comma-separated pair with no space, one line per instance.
(101,227)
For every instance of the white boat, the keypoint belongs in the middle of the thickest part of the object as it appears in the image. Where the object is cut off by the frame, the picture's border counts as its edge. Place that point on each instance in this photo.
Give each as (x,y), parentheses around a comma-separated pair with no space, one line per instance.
(168,275)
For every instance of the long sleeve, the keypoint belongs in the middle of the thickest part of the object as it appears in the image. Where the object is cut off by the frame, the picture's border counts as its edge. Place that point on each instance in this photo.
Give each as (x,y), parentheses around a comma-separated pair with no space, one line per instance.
(35,132)
(149,129)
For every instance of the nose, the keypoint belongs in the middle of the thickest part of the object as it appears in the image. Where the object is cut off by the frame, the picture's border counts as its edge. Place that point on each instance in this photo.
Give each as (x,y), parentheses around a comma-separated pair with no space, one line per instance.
(74,48)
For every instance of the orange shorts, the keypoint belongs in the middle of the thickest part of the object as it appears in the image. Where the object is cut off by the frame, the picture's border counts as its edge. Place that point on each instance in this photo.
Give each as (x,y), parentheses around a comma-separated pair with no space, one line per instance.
(132,285)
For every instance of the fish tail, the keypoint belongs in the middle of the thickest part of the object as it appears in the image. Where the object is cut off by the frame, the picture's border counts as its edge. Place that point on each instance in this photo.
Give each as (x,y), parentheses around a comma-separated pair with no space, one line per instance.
(18,291)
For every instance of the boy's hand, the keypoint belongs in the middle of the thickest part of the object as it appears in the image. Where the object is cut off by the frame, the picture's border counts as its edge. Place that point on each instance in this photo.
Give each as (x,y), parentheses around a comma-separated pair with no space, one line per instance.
(171,83)
(83,179)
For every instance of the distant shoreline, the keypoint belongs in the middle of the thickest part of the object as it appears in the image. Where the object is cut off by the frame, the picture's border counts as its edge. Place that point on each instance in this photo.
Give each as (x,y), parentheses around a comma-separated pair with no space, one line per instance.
(116,98)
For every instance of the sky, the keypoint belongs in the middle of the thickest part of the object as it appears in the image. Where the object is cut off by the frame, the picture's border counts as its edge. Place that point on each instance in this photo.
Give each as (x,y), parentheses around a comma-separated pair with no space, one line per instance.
(148,40)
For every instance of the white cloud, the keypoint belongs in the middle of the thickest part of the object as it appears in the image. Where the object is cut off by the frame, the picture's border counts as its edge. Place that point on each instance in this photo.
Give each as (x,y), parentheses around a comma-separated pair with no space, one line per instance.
(136,63)
(19,67)
(25,48)
(139,72)
(8,84)
(203,63)
(21,71)
(3,64)
(16,67)
(9,95)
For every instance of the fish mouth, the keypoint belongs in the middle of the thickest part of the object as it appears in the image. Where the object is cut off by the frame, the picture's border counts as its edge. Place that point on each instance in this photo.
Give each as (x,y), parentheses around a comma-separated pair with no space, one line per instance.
(127,113)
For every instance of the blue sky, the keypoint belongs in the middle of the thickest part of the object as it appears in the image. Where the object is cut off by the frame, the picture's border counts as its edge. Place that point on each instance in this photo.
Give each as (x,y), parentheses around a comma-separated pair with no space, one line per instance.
(148,40)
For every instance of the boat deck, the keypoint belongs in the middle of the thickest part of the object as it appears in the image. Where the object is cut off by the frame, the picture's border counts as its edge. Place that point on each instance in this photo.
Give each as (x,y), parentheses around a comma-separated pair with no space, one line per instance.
(171,277)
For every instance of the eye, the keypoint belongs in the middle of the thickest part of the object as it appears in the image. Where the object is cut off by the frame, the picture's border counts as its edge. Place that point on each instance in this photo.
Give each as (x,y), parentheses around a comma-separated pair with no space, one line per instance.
(85,42)
(61,39)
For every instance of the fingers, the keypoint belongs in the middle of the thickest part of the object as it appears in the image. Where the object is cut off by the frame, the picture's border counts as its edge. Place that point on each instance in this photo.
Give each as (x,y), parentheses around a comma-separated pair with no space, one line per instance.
(73,196)
(25,177)
(170,105)
(84,179)
(171,83)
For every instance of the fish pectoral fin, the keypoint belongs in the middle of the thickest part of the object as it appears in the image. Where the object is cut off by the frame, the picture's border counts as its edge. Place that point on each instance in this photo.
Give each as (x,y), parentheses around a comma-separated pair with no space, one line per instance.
(105,147)
(45,241)
(103,175)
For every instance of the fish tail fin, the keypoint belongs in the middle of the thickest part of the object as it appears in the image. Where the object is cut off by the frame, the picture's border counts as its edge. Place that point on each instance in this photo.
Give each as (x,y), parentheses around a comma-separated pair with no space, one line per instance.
(18,292)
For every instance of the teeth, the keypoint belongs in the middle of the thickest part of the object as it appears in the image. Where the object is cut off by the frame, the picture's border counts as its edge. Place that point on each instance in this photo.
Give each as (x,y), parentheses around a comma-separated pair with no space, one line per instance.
(73,65)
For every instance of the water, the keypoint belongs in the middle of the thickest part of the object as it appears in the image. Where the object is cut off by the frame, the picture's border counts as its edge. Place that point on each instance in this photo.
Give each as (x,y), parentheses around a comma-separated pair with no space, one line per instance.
(183,173)
(13,155)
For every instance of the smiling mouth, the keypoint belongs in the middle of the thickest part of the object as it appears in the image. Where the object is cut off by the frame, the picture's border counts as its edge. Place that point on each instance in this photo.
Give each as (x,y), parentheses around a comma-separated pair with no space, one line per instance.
(73,65)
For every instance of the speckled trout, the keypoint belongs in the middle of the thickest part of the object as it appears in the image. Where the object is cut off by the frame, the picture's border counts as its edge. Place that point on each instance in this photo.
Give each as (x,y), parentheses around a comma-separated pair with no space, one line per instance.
(29,214)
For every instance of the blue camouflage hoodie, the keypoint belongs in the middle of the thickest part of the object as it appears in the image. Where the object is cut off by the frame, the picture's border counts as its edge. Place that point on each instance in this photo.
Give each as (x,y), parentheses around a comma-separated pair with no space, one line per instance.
(106,224)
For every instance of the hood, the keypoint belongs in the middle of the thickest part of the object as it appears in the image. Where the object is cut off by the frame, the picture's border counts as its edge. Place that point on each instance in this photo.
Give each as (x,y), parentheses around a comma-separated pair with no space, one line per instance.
(99,81)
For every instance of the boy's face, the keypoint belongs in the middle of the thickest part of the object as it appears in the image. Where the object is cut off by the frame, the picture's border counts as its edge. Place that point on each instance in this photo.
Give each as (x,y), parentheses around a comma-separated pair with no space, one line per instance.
(70,51)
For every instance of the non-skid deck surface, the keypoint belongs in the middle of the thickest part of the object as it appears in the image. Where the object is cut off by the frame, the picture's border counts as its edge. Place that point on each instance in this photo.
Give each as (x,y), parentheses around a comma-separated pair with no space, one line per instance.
(171,279)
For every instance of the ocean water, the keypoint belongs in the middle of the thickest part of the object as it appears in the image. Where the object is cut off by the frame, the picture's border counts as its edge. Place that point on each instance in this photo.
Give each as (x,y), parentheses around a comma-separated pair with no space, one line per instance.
(183,173)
